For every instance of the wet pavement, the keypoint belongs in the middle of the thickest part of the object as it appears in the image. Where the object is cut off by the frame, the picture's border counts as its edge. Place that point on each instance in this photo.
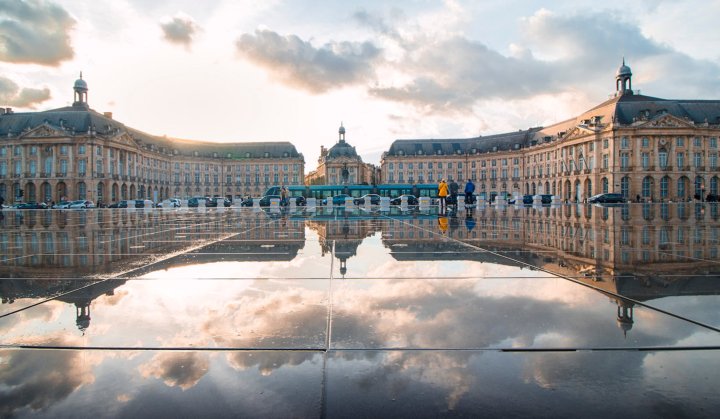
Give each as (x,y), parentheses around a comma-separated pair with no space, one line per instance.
(543,312)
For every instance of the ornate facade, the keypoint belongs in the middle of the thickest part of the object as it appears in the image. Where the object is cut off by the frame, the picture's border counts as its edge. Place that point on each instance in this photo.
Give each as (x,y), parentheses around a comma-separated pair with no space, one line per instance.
(77,153)
(641,146)
(341,165)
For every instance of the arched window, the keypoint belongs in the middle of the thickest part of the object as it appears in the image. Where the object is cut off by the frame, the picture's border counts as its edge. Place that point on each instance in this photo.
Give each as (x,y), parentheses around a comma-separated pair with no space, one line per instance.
(699,186)
(647,187)
(714,185)
(681,183)
(663,159)
(605,185)
(664,187)
(625,187)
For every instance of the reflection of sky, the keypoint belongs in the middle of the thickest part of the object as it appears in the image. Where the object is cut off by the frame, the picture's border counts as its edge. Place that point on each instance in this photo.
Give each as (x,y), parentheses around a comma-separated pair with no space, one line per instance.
(448,308)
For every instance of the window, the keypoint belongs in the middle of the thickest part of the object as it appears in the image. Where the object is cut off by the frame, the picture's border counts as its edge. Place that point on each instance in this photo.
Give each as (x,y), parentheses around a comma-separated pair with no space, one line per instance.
(33,151)
(680,142)
(645,142)
(48,165)
(713,142)
(645,159)
(63,167)
(680,161)
(713,161)
(646,187)
(81,167)
(664,185)
(624,161)
(663,159)
(591,146)
(625,187)
(681,188)
(3,169)
(18,167)
(605,145)
(624,143)
(98,150)
(3,151)
(81,149)
(697,159)
(605,185)
(697,142)
(605,161)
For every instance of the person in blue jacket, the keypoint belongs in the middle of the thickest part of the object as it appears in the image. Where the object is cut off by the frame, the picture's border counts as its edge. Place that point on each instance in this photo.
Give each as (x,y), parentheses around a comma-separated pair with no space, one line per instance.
(469,189)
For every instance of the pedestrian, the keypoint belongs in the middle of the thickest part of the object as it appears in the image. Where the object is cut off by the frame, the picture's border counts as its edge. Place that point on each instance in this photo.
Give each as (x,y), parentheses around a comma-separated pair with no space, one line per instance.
(442,195)
(443,224)
(637,198)
(2,201)
(283,195)
(469,189)
(454,188)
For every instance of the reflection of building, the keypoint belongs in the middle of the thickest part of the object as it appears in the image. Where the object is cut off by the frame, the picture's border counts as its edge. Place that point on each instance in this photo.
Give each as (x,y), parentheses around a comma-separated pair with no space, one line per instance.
(341,165)
(639,145)
(77,153)
(345,235)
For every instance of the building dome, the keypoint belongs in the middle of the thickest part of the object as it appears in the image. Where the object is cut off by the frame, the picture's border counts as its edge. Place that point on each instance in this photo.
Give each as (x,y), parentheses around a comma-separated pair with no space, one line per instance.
(342,149)
(80,84)
(342,129)
(623,70)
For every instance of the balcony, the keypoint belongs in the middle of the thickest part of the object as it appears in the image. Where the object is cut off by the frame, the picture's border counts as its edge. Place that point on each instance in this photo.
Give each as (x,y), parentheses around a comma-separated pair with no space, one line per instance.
(700,168)
(45,175)
(666,168)
(61,174)
(29,175)
(82,174)
(99,175)
(626,168)
(586,171)
(17,175)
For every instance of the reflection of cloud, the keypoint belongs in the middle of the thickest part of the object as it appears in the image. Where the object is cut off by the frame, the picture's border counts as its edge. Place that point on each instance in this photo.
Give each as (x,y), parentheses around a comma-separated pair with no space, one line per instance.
(182,369)
(115,298)
(11,94)
(179,30)
(298,63)
(35,32)
(39,379)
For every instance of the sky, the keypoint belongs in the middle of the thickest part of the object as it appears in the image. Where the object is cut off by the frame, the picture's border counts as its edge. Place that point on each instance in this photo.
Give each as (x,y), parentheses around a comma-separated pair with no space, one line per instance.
(293,70)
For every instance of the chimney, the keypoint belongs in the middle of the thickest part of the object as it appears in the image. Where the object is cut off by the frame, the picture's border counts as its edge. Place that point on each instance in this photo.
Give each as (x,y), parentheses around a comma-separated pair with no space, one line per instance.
(2,111)
(8,110)
(107,114)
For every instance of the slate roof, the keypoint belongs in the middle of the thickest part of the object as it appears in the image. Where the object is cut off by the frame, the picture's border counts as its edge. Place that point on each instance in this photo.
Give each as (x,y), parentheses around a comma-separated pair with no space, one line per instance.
(622,110)
(77,120)
(342,149)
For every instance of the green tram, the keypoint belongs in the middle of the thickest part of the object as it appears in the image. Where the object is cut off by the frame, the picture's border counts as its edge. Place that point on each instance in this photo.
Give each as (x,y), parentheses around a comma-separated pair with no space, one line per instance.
(356,191)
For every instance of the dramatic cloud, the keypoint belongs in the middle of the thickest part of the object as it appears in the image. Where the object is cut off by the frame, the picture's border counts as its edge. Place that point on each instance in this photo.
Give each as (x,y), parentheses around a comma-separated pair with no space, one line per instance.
(452,73)
(182,369)
(180,30)
(34,31)
(297,63)
(12,95)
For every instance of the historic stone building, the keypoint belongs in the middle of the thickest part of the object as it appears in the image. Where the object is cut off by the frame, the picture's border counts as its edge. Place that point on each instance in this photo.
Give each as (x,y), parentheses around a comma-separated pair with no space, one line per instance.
(341,165)
(641,146)
(77,153)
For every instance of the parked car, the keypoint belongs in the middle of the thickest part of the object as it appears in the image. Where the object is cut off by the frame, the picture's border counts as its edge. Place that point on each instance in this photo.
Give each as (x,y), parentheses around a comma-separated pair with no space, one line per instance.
(81,204)
(197,201)
(411,200)
(144,203)
(373,198)
(62,205)
(248,202)
(545,199)
(119,204)
(265,200)
(607,198)
(169,203)
(211,202)
(33,205)
(337,200)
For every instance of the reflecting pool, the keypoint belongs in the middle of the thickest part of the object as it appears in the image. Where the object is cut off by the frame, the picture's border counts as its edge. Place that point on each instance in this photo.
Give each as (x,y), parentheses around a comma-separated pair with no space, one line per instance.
(541,311)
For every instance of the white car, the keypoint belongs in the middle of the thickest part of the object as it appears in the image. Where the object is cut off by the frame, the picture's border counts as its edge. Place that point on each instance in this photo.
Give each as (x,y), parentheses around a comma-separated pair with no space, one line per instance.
(169,203)
(81,204)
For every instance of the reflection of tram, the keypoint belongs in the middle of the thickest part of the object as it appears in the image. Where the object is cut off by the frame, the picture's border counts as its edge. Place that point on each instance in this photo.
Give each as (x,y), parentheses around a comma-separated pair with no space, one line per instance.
(356,191)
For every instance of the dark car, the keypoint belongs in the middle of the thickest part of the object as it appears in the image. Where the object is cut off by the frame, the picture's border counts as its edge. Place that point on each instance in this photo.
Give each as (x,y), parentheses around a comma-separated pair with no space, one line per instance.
(373,198)
(33,205)
(248,202)
(265,200)
(193,203)
(337,199)
(545,199)
(411,200)
(212,202)
(606,198)
(120,204)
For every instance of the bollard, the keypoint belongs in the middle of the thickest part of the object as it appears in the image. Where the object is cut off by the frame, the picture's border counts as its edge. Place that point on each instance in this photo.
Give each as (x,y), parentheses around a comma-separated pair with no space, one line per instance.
(329,202)
(537,201)
(349,202)
(274,203)
(256,202)
(310,204)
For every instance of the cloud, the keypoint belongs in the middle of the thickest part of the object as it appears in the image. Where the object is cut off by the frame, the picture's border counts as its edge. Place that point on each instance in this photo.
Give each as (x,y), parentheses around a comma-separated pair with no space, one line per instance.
(450,73)
(182,369)
(12,95)
(40,379)
(35,31)
(299,64)
(180,30)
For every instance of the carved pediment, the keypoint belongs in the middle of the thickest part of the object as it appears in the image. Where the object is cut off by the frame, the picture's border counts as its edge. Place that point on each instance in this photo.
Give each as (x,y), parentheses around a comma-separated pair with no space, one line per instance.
(667,121)
(44,131)
(125,139)
(577,132)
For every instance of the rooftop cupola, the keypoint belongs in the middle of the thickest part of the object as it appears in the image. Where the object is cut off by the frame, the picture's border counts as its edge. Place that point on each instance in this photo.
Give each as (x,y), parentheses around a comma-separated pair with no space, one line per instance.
(81,90)
(623,80)
(341,133)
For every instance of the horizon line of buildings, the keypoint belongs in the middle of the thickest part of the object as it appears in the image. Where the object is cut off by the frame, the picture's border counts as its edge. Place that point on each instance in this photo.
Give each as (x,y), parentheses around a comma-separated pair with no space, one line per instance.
(641,146)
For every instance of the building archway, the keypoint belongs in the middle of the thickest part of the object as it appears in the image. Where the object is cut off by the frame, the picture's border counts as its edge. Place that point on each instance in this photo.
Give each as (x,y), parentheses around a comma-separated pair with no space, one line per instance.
(61,191)
(605,185)
(588,189)
(100,191)
(568,190)
(132,192)
(578,192)
(699,187)
(648,184)
(30,192)
(682,188)
(46,191)
(81,190)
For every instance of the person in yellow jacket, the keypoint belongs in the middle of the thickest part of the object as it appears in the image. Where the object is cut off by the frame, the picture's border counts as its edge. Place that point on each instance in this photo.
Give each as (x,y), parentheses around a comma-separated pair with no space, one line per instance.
(442,194)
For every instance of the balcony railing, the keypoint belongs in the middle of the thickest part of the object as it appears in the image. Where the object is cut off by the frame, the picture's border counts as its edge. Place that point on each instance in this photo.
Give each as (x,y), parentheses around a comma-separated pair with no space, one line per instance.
(99,175)
(61,174)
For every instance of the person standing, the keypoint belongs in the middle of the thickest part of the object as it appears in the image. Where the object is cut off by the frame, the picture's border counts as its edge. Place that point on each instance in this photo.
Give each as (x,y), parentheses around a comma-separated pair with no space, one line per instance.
(283,196)
(2,201)
(469,189)
(454,188)
(442,195)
